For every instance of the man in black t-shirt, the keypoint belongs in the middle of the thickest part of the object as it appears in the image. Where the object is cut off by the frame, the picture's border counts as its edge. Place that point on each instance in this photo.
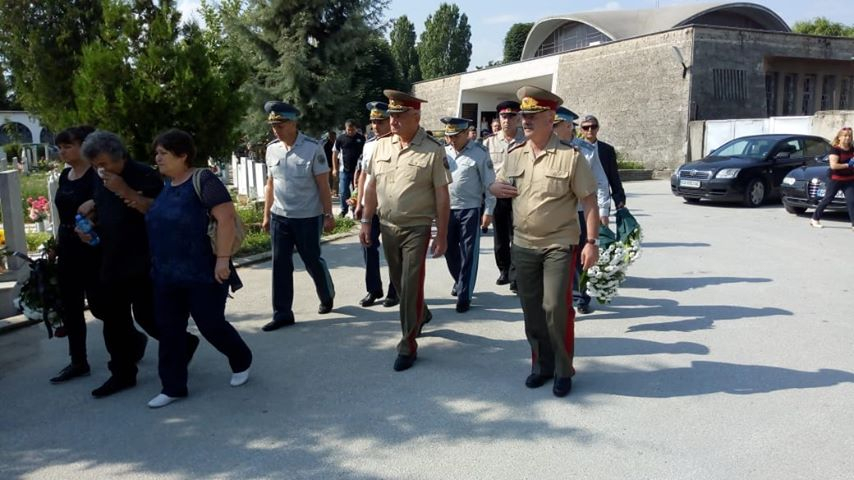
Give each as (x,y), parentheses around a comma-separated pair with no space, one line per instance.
(348,148)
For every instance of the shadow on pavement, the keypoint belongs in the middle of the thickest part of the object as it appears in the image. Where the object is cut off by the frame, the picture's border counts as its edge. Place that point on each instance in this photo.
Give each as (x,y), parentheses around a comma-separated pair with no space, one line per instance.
(681,284)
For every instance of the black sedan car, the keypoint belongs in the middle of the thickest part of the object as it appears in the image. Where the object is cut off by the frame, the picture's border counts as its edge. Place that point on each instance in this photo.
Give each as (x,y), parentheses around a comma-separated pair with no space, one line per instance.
(747,169)
(804,187)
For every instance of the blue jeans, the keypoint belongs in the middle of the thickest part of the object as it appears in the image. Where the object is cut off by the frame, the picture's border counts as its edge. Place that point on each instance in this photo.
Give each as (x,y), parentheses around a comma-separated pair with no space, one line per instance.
(304,233)
(345,180)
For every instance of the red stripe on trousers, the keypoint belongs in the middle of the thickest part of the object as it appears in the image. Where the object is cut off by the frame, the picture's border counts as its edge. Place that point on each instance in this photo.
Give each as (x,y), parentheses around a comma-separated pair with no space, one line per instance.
(419,304)
(569,339)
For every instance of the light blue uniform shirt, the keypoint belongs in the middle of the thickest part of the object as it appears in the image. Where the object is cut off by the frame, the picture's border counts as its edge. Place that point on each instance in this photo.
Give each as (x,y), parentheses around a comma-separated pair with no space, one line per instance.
(295,190)
(472,173)
(603,190)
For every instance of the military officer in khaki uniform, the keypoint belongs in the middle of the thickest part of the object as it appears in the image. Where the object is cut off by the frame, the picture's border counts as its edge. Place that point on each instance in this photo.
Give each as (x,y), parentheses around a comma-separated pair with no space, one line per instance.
(498,145)
(409,190)
(546,178)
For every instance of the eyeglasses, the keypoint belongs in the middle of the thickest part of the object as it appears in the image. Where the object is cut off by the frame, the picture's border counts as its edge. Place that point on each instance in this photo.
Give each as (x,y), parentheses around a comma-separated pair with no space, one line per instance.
(846,129)
(589,127)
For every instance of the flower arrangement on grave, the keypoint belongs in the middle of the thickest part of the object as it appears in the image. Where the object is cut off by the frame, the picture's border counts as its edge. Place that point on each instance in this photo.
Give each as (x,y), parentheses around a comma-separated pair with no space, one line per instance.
(39,208)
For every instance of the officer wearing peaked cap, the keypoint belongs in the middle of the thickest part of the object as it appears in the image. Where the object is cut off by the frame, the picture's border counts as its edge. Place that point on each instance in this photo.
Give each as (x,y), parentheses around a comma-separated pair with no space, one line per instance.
(297,206)
(498,145)
(410,190)
(546,178)
(379,121)
(564,127)
(472,173)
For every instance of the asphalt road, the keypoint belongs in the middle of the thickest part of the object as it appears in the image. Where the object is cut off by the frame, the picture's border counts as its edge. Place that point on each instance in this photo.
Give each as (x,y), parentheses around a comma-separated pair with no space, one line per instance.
(727,355)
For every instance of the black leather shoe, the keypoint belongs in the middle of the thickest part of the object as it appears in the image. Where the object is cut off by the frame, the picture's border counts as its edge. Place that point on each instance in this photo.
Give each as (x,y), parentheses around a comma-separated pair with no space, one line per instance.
(454,292)
(192,345)
(427,319)
(70,372)
(463,307)
(535,380)
(277,324)
(391,302)
(113,385)
(141,344)
(324,308)
(585,308)
(562,386)
(513,287)
(404,362)
(370,299)
(503,279)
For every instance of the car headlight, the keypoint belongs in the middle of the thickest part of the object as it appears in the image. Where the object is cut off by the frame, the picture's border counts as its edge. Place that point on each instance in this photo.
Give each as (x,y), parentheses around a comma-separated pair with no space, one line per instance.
(789,181)
(728,173)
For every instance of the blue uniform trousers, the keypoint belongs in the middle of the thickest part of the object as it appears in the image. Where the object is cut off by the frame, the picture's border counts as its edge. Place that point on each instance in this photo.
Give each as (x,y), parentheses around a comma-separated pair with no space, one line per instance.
(304,233)
(463,250)
(371,254)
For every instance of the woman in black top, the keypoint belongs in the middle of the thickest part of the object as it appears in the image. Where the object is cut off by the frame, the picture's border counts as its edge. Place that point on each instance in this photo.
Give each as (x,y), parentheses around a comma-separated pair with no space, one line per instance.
(841,161)
(78,262)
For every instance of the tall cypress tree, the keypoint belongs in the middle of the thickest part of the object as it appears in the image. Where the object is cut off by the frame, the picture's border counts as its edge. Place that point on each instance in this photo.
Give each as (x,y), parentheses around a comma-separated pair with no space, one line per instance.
(445,46)
(404,52)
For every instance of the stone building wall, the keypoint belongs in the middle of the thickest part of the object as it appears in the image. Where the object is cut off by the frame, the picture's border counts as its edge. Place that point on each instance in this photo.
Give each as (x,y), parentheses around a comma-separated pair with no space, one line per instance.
(442,95)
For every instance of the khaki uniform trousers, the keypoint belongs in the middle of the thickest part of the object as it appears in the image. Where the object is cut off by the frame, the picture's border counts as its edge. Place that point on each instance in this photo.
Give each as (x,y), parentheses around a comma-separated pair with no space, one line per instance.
(406,253)
(544,278)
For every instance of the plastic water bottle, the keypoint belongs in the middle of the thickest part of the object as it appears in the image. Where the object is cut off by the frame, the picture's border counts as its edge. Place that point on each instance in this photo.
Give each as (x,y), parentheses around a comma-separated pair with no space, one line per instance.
(85,226)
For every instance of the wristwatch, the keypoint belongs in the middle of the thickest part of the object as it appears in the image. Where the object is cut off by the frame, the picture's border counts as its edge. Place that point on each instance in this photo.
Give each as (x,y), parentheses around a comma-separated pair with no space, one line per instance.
(328,215)
(593,241)
(364,220)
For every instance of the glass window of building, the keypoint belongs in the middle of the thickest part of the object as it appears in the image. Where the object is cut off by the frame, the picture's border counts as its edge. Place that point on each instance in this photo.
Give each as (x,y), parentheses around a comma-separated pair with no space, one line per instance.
(571,36)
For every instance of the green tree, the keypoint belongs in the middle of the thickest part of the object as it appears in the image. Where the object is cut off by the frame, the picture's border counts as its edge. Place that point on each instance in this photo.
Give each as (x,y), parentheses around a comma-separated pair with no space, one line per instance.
(514,41)
(307,52)
(404,52)
(7,95)
(147,73)
(445,46)
(824,27)
(41,44)
(377,73)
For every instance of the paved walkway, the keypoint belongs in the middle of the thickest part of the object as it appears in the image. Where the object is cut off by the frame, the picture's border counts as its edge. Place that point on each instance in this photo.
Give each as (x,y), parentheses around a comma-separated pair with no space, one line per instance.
(728,355)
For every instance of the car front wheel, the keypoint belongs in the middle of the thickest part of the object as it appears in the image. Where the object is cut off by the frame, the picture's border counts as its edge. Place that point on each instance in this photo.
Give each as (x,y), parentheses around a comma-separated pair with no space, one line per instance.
(754,195)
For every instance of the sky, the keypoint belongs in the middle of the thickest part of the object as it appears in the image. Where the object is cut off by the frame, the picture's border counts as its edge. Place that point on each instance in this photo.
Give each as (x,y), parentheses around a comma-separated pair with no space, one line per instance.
(490,19)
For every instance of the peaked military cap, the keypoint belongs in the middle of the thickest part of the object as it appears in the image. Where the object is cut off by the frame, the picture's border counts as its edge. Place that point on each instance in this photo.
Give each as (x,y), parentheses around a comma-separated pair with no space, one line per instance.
(455,125)
(564,114)
(379,110)
(278,112)
(399,102)
(508,106)
(536,100)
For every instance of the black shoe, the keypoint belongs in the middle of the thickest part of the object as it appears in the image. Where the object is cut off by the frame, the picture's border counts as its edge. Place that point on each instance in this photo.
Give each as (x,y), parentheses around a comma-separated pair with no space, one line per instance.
(513,287)
(70,372)
(324,308)
(535,380)
(562,386)
(454,292)
(584,308)
(277,324)
(192,344)
(404,362)
(427,319)
(141,344)
(391,302)
(370,299)
(463,307)
(113,385)
(484,230)
(503,279)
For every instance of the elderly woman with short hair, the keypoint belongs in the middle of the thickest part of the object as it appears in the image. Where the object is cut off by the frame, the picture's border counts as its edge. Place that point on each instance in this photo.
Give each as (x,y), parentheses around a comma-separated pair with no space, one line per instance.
(190,278)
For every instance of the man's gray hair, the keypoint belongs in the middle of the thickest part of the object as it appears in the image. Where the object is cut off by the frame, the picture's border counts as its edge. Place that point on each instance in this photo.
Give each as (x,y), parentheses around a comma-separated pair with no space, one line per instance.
(100,142)
(589,118)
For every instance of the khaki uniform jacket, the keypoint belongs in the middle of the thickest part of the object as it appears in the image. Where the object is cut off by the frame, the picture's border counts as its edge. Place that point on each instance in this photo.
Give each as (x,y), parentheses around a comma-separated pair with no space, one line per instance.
(406,179)
(498,147)
(544,212)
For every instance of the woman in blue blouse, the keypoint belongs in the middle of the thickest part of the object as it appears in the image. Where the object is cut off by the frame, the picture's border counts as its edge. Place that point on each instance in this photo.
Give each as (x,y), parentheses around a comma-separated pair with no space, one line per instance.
(189,277)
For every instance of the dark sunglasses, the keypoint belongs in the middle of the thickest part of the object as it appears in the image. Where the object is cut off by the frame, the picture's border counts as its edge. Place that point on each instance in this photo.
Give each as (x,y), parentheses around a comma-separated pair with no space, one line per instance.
(589,127)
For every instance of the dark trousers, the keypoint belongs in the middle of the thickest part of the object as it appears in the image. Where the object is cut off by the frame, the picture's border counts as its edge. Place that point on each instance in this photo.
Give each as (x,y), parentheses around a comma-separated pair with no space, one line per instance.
(371,255)
(544,279)
(463,250)
(122,301)
(78,267)
(832,188)
(580,298)
(206,303)
(406,252)
(345,182)
(304,233)
(502,220)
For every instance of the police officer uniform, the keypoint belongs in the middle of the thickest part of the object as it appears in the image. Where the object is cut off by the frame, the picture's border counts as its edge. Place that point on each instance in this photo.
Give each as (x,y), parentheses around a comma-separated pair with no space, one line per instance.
(296,216)
(498,145)
(371,253)
(472,173)
(406,181)
(545,235)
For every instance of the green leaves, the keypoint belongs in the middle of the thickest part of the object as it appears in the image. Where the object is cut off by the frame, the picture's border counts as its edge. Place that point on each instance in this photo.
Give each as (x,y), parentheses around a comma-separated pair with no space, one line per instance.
(514,41)
(823,26)
(404,52)
(445,46)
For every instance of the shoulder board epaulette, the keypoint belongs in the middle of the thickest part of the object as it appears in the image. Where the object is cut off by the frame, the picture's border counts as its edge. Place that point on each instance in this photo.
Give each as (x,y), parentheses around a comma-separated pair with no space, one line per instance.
(516,146)
(437,142)
(571,145)
(310,139)
(272,142)
(489,136)
(480,145)
(380,137)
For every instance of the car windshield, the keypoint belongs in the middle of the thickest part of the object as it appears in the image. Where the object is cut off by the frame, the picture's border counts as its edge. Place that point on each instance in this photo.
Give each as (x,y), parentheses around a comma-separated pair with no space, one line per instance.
(745,147)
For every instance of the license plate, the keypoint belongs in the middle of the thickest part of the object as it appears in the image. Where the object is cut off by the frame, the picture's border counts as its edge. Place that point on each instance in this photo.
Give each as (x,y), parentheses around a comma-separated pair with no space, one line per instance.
(821,191)
(689,183)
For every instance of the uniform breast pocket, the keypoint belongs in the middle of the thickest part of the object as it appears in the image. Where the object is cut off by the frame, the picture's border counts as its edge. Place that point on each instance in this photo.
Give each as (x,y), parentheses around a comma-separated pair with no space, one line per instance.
(301,168)
(415,167)
(274,168)
(513,176)
(557,182)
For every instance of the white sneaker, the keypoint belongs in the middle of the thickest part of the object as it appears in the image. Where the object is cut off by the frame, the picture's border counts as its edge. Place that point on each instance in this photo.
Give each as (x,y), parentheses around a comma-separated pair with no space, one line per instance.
(162,400)
(239,378)
(816,224)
